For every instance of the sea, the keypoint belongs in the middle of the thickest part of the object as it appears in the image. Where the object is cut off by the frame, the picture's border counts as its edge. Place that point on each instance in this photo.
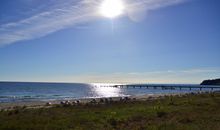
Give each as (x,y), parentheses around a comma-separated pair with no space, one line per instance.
(36,91)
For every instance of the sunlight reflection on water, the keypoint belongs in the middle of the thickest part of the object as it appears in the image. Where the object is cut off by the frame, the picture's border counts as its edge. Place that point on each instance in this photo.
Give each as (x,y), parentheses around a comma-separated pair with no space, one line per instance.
(100,91)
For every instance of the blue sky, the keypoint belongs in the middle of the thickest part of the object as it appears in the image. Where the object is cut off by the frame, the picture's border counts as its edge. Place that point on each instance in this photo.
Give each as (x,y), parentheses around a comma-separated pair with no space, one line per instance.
(154,41)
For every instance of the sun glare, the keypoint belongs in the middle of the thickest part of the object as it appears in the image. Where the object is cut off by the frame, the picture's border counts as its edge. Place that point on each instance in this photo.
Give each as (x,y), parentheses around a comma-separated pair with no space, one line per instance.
(112,8)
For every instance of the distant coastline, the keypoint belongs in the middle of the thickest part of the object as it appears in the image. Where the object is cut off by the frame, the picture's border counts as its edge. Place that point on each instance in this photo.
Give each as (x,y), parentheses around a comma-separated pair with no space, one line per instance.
(211,82)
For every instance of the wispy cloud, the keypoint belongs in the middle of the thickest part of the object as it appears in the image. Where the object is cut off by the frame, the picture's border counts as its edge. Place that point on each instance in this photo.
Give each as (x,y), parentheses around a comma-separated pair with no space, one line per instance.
(67,14)
(184,76)
(168,76)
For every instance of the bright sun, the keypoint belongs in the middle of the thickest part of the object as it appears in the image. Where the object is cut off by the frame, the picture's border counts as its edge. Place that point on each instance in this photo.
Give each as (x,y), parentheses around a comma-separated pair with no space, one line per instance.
(112,8)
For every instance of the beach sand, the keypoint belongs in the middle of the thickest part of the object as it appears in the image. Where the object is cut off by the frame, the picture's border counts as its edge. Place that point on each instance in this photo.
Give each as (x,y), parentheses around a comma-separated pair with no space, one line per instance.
(40,104)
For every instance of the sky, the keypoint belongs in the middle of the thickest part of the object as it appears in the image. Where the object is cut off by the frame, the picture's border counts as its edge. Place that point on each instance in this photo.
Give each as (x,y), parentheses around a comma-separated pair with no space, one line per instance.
(153,41)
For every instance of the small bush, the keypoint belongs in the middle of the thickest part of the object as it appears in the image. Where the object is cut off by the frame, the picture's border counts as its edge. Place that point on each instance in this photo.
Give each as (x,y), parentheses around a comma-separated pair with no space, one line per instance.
(113,122)
(161,114)
(16,111)
(185,121)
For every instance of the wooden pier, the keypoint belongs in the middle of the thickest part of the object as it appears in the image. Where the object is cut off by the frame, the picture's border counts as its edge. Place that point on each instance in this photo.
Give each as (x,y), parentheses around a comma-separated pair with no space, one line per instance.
(170,87)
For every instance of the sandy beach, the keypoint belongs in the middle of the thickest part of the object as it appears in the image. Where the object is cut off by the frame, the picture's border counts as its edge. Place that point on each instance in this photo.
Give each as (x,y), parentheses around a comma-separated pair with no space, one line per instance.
(40,104)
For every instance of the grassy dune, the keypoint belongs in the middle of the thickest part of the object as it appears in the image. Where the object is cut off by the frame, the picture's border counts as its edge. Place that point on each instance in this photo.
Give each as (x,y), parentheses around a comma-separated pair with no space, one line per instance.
(195,112)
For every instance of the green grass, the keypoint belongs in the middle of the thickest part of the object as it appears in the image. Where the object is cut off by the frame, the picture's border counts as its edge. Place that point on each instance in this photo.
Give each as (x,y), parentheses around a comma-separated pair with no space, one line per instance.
(192,112)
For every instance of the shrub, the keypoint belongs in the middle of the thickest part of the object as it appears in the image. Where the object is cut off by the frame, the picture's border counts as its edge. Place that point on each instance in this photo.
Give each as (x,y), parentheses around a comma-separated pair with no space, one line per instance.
(161,114)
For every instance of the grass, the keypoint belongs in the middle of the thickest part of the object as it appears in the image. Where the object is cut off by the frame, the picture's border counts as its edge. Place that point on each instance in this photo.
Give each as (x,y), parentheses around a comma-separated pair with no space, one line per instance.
(191,112)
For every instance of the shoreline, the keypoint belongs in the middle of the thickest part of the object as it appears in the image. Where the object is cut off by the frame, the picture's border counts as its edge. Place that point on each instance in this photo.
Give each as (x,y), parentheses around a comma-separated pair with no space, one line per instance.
(44,104)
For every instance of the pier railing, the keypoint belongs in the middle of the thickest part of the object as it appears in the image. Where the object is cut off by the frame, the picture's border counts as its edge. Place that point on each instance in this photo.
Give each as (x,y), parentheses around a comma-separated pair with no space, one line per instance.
(164,87)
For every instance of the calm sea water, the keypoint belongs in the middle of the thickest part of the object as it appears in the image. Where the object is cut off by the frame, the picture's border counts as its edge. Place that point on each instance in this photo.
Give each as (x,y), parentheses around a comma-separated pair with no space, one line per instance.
(24,91)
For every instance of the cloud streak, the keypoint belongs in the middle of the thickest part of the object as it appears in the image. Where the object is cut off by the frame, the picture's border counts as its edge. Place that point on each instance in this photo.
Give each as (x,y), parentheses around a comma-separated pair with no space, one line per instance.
(64,15)
(185,76)
(169,76)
